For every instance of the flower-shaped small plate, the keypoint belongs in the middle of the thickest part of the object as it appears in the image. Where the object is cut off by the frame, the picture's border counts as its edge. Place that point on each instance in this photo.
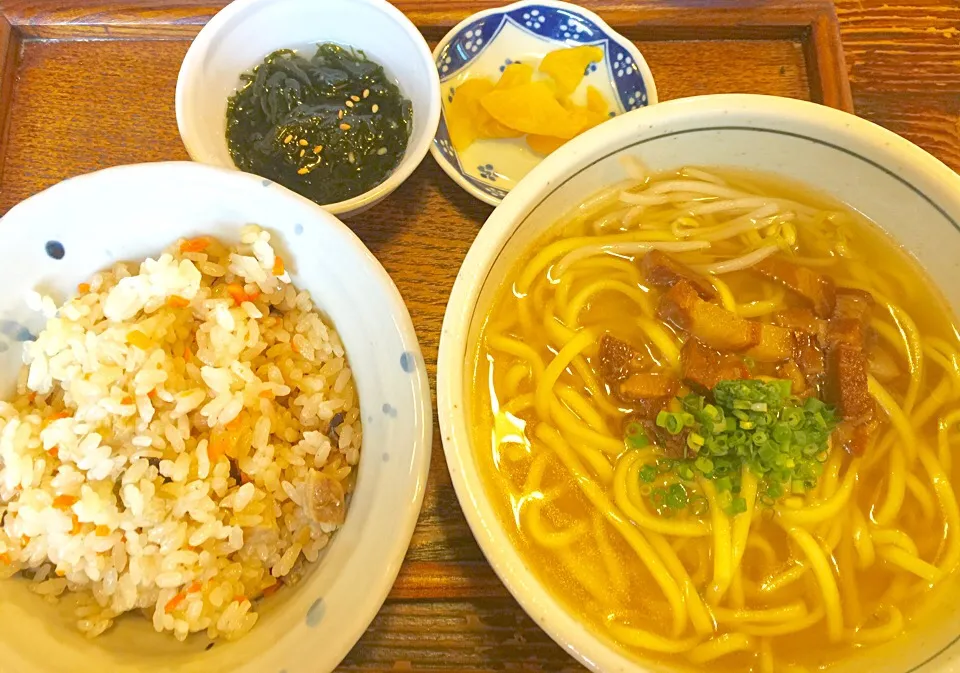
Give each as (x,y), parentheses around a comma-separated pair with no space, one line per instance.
(485,43)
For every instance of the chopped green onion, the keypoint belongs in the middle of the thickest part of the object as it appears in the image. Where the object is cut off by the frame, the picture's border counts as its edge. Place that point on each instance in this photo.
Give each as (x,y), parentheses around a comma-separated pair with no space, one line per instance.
(793,416)
(782,433)
(661,420)
(636,436)
(748,424)
(672,423)
(676,496)
(736,506)
(648,473)
(704,464)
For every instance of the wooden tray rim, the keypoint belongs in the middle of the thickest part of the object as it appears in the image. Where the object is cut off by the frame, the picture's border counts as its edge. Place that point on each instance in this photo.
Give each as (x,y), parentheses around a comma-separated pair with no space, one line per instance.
(812,22)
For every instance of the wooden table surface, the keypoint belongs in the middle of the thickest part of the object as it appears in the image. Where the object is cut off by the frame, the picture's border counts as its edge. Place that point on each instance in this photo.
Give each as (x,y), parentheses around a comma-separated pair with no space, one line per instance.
(448,611)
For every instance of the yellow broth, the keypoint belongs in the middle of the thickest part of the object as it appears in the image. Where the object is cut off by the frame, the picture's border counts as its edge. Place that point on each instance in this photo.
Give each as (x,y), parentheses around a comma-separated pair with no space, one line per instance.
(580,544)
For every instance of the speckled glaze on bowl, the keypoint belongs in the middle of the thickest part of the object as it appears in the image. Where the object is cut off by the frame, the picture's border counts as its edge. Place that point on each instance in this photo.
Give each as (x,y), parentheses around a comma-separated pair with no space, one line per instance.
(60,237)
(903,189)
(485,43)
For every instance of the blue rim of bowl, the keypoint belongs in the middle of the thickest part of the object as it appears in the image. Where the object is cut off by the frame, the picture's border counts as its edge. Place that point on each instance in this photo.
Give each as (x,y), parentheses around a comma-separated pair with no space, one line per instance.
(553,21)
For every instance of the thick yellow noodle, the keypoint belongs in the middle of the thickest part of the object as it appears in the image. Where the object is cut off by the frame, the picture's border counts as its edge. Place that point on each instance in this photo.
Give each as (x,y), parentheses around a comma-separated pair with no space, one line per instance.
(862,541)
(722,545)
(783,613)
(910,563)
(626,479)
(720,646)
(574,429)
(518,349)
(571,315)
(545,385)
(824,574)
(661,340)
(943,442)
(883,633)
(785,578)
(922,494)
(582,408)
(828,509)
(948,506)
(554,250)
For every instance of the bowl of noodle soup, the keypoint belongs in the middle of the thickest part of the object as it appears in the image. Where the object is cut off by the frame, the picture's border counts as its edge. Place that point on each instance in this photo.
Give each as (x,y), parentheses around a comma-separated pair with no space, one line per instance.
(698,387)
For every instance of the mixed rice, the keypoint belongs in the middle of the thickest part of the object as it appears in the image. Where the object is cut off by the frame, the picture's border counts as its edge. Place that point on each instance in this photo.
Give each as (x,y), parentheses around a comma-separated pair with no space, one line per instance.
(183,439)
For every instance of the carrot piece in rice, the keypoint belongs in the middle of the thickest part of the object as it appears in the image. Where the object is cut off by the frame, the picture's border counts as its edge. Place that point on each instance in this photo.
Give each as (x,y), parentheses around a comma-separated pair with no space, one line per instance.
(235,290)
(174,602)
(278,269)
(235,423)
(83,288)
(65,501)
(176,301)
(218,445)
(198,244)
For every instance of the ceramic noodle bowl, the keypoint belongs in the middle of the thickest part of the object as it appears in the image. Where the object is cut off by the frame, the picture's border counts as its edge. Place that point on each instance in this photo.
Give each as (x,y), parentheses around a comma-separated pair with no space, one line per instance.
(736,139)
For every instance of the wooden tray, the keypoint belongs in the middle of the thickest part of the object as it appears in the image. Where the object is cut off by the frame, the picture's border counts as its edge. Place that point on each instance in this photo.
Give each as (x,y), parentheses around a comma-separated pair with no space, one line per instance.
(85,84)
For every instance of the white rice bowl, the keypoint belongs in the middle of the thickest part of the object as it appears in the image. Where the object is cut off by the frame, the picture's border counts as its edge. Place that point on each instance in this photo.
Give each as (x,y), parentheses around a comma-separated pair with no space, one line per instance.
(187,433)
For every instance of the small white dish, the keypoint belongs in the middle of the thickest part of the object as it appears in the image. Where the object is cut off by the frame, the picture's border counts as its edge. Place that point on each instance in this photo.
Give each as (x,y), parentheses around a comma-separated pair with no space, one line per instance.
(60,237)
(907,192)
(245,31)
(485,43)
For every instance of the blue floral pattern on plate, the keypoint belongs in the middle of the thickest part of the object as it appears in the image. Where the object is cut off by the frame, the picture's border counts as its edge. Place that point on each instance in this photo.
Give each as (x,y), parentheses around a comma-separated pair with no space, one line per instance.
(484,46)
(487,172)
